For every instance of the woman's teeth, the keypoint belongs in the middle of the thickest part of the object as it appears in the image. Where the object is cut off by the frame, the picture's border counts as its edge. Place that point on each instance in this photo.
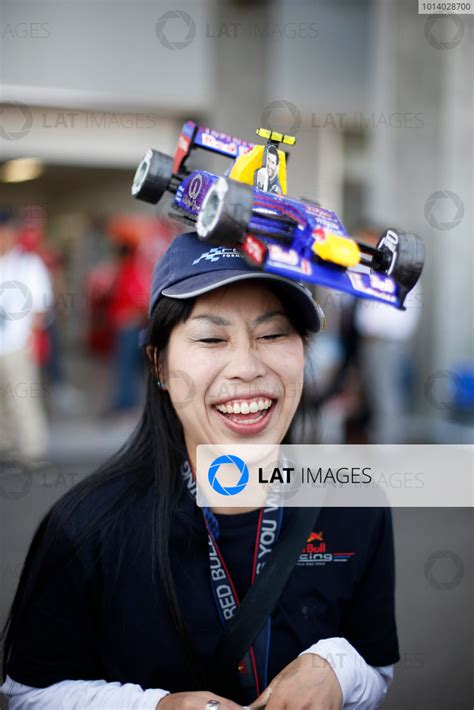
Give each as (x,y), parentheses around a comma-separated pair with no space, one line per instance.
(249,407)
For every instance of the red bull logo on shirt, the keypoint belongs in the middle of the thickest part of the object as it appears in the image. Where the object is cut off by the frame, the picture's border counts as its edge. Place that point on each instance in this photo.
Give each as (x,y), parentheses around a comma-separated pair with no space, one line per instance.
(315,552)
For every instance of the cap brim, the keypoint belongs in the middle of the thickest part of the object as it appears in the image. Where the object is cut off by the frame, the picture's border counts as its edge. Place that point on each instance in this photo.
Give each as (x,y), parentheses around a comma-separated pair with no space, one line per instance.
(204,282)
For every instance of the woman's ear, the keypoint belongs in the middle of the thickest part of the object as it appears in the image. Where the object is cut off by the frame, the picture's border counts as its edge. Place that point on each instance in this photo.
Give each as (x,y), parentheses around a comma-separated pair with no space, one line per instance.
(150,350)
(156,365)
(152,356)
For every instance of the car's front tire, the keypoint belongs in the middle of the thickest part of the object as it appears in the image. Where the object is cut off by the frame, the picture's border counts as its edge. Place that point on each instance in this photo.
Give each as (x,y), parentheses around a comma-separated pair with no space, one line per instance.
(401,256)
(225,213)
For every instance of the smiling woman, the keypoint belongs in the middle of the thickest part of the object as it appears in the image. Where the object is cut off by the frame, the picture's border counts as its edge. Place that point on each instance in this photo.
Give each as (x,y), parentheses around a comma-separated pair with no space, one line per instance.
(128,584)
(247,361)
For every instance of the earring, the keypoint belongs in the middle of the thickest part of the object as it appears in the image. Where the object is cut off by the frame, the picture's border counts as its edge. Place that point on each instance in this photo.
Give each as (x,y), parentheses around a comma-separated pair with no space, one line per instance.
(159,383)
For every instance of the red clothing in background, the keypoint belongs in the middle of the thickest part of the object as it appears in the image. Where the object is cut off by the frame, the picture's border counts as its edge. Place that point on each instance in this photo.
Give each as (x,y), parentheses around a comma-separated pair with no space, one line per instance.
(130,292)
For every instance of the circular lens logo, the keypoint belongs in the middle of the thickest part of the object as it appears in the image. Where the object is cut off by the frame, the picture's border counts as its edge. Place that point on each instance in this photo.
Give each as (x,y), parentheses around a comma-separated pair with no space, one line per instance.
(241,467)
(440,389)
(15,480)
(444,210)
(14,292)
(444,31)
(189,26)
(450,577)
(22,116)
(281,115)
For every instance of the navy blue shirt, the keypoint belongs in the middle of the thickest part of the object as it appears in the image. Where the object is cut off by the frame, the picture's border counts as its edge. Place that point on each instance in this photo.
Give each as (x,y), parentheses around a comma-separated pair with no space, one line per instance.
(94,613)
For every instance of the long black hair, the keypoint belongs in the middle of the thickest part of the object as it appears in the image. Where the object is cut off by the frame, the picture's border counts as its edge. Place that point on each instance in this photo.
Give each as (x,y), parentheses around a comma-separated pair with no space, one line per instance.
(150,457)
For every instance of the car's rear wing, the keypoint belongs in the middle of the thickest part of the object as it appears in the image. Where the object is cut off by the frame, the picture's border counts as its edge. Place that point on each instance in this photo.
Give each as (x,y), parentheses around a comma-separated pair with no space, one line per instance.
(194,136)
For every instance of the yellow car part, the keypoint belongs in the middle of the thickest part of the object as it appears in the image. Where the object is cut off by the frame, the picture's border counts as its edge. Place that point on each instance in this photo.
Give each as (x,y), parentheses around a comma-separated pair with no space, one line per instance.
(246,165)
(276,136)
(337,249)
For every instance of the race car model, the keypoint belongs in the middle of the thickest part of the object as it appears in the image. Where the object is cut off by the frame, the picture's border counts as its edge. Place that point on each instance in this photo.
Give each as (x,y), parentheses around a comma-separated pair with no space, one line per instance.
(248,209)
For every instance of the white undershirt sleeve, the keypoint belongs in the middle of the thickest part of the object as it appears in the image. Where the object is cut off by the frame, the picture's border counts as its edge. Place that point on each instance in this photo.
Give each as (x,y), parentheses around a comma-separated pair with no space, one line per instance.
(81,695)
(363,686)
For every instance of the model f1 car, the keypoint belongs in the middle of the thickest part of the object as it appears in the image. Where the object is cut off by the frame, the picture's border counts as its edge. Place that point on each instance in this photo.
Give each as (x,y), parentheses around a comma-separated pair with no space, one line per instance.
(248,209)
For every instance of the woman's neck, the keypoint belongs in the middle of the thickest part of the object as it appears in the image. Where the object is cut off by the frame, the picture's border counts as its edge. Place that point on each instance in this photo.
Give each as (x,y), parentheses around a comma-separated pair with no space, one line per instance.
(232,510)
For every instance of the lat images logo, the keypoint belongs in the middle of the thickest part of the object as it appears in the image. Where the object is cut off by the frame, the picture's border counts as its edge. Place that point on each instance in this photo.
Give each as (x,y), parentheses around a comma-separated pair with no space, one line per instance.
(234,461)
(315,552)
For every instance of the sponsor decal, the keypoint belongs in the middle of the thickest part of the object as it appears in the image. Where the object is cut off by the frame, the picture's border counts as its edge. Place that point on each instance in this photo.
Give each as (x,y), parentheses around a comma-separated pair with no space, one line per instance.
(316,552)
(195,186)
(255,249)
(382,283)
(225,143)
(358,284)
(194,192)
(216,253)
(289,258)
(319,235)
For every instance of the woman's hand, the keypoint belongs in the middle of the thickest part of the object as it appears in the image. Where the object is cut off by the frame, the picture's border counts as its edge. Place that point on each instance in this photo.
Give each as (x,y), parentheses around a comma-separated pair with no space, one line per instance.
(195,701)
(308,683)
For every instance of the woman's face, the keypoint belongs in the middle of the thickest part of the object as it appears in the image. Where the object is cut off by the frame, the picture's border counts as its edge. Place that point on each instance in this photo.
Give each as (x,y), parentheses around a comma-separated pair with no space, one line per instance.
(234,369)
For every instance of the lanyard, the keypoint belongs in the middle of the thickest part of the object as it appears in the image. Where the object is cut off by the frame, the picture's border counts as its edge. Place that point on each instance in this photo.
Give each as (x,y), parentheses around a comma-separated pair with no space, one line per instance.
(253,668)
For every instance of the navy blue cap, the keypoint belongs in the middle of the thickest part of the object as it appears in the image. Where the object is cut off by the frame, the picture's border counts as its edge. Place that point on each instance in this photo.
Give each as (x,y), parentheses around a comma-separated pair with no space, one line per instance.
(190,268)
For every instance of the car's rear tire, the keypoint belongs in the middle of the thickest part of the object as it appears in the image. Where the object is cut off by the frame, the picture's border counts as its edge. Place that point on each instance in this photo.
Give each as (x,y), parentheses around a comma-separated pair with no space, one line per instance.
(401,256)
(152,177)
(225,213)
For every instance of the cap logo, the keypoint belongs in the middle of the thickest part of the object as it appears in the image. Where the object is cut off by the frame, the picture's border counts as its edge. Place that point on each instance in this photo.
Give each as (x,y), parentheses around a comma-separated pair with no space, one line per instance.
(215,254)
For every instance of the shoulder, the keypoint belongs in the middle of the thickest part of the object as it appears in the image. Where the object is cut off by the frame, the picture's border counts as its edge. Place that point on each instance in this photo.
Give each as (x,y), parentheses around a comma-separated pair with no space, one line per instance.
(28,259)
(94,505)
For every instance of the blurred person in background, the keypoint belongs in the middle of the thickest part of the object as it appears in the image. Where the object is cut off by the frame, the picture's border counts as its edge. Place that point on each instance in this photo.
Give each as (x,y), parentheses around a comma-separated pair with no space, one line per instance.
(63,397)
(360,375)
(382,346)
(25,298)
(127,312)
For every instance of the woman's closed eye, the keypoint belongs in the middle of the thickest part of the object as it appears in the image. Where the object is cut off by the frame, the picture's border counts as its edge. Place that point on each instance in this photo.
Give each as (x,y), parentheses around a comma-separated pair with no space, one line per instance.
(273,336)
(215,340)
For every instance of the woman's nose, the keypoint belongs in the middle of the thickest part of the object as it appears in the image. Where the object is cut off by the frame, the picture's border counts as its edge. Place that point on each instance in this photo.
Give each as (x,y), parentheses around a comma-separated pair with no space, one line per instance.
(245,363)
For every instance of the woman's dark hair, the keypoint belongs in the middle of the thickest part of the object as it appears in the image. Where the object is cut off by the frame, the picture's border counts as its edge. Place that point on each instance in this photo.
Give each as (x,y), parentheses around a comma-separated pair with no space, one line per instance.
(150,457)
